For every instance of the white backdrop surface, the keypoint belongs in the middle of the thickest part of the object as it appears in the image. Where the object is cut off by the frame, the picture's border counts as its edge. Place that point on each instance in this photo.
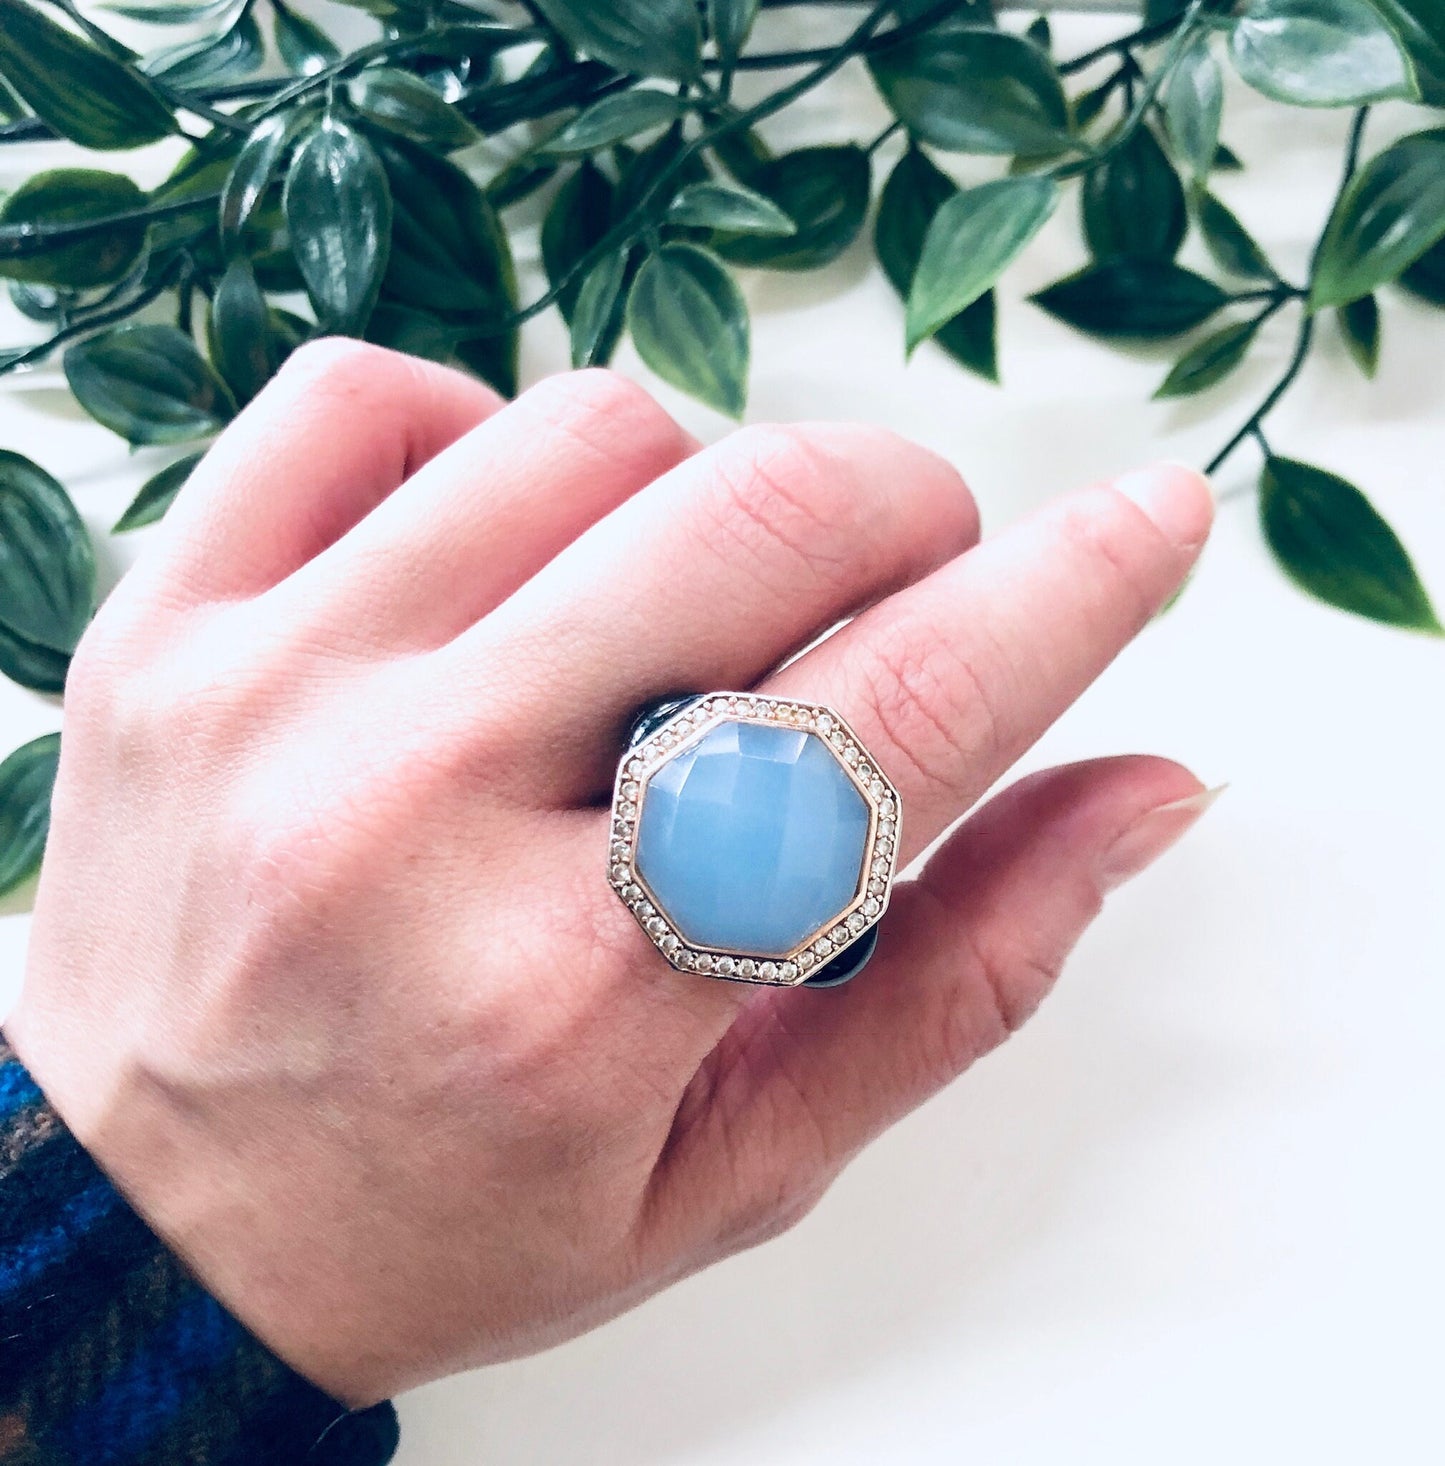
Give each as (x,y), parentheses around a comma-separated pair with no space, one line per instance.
(1194,1211)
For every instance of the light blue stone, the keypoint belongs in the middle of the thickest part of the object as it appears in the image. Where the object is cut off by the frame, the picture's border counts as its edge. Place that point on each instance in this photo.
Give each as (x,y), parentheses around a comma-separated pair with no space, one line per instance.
(752,839)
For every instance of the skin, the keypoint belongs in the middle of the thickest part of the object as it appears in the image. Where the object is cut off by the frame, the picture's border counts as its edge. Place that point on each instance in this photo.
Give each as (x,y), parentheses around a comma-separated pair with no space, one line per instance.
(325,970)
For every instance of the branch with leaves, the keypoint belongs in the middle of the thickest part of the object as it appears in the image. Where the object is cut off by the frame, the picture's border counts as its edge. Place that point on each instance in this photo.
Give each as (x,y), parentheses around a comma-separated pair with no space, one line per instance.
(325,190)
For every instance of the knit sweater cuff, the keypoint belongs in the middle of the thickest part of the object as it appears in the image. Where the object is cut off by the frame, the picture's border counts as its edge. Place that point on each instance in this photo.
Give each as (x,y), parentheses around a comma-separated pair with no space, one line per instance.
(111,1354)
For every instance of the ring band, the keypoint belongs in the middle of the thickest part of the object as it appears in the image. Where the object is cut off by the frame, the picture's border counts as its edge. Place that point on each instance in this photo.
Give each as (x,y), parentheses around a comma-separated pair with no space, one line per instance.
(753,838)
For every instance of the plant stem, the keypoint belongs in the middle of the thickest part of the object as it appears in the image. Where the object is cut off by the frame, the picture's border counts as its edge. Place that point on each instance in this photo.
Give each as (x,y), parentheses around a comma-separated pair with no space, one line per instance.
(23,241)
(1253,426)
(1144,36)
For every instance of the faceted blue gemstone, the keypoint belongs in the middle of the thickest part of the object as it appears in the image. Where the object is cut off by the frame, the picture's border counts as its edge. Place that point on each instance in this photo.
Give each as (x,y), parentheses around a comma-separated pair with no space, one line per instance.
(752,839)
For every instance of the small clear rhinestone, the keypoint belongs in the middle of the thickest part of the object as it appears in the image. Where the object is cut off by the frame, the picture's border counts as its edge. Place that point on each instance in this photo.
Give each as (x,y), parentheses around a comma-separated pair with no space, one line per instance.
(836,738)
(747,968)
(669,943)
(878,788)
(620,875)
(789,970)
(879,867)
(656,926)
(850,754)
(635,766)
(884,846)
(726,966)
(629,789)
(825,722)
(857,922)
(877,887)
(702,962)
(632,892)
(646,909)
(872,906)
(864,772)
(627,811)
(839,935)
(806,960)
(823,947)
(887,829)
(768,972)
(887,807)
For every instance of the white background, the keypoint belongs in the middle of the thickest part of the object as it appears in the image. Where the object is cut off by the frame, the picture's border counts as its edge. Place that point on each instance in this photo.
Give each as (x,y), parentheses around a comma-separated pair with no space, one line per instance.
(1193,1212)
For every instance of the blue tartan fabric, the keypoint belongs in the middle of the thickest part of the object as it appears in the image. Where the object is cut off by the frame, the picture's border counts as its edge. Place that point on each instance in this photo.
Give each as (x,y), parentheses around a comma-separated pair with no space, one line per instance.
(111,1354)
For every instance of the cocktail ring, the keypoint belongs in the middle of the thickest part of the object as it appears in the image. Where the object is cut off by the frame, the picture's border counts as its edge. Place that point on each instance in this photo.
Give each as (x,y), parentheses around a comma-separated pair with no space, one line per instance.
(753,838)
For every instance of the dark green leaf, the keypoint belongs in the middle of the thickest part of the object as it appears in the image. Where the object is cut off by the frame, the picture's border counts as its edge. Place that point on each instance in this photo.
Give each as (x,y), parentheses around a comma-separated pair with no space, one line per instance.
(614,118)
(1333,544)
(27,778)
(1143,298)
(164,12)
(235,53)
(93,99)
(1319,53)
(644,37)
(975,235)
(974,91)
(239,330)
(149,384)
(1360,324)
(1193,100)
(1210,361)
(65,196)
(597,315)
(1426,277)
(1039,33)
(689,323)
(39,668)
(303,45)
(1133,203)
(156,494)
(1088,106)
(450,258)
(639,173)
(406,105)
(418,333)
(729,207)
(254,171)
(520,179)
(42,303)
(1231,244)
(824,191)
(1226,160)
(580,214)
(912,196)
(1156,12)
(338,212)
(1420,25)
(729,22)
(47,566)
(1392,212)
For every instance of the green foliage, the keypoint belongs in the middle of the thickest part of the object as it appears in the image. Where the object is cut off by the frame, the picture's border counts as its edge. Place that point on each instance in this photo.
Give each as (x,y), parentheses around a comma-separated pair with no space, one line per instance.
(346,175)
(26,780)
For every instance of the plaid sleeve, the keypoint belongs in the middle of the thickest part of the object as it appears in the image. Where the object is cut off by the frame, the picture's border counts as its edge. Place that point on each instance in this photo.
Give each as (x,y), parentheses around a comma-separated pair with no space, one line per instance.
(110,1353)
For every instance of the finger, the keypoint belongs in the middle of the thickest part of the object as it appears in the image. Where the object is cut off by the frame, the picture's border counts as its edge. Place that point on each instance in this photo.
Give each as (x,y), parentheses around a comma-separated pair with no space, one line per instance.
(707,579)
(336,430)
(488,513)
(803,1080)
(948,682)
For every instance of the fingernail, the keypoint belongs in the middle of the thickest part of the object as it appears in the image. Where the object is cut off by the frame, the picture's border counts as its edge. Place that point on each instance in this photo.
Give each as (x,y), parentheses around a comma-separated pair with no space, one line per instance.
(1175,497)
(1151,835)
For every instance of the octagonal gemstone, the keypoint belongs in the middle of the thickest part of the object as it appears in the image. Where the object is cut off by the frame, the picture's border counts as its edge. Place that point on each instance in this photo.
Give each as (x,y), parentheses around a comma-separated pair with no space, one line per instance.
(752,839)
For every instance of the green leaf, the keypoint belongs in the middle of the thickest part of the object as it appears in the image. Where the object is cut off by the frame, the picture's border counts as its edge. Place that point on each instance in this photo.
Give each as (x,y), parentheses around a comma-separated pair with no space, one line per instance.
(1089,105)
(1360,325)
(228,56)
(913,194)
(1420,25)
(580,214)
(91,98)
(156,494)
(1320,53)
(1226,160)
(1231,244)
(450,258)
(975,235)
(1193,101)
(729,207)
(40,668)
(1392,212)
(67,196)
(1332,543)
(27,779)
(418,333)
(1039,32)
(149,384)
(254,171)
(598,314)
(163,12)
(689,323)
(520,179)
(1133,203)
(1141,298)
(338,211)
(622,115)
(1210,361)
(974,91)
(47,565)
(644,37)
(239,332)
(730,22)
(303,45)
(406,105)
(1426,277)
(824,191)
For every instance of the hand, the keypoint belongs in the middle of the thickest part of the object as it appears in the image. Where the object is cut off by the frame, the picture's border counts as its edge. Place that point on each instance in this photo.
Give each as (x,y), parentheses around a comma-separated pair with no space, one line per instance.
(325,968)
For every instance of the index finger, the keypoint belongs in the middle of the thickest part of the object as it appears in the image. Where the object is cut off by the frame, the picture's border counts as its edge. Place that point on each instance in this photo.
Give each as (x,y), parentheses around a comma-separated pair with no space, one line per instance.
(949,681)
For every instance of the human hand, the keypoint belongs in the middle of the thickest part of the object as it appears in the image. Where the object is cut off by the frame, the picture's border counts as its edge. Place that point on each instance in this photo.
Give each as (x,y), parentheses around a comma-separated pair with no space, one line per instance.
(325,968)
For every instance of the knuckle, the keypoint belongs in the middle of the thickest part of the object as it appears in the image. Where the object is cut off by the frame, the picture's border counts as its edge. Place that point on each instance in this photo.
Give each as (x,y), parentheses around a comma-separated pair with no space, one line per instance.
(774,488)
(600,410)
(1108,546)
(337,359)
(931,704)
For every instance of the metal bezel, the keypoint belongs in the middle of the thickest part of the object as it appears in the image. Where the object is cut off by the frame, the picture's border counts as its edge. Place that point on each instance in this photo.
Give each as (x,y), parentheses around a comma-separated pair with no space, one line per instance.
(876,871)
